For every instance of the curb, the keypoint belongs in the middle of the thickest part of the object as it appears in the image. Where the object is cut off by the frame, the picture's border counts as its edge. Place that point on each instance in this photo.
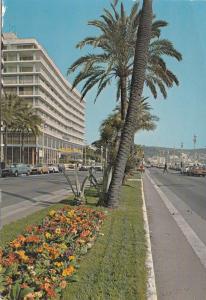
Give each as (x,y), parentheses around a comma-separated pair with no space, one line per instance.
(151,285)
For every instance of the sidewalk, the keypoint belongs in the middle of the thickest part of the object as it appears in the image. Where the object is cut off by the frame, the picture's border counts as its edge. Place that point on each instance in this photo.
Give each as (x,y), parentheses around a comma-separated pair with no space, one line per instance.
(179,273)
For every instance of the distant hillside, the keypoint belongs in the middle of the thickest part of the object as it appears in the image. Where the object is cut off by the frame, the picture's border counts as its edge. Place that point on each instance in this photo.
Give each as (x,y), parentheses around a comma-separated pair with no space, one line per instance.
(162,151)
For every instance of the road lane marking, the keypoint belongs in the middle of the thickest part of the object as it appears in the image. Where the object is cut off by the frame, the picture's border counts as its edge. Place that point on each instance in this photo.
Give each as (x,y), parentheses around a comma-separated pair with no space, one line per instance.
(197,245)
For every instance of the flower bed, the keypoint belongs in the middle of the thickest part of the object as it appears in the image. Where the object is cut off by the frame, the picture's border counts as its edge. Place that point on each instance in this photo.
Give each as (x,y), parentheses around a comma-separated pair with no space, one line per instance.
(42,261)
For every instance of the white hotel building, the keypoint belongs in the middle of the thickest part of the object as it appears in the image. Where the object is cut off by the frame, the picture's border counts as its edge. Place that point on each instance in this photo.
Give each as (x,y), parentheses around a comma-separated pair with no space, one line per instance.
(30,73)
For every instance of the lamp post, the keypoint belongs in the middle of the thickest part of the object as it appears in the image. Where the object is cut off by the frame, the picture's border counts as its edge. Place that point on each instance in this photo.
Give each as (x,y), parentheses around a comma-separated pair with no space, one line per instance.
(43,144)
(85,153)
(194,143)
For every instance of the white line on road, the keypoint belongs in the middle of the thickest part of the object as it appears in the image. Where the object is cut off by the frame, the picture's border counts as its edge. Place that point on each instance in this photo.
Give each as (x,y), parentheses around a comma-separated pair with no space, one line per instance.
(197,245)
(151,286)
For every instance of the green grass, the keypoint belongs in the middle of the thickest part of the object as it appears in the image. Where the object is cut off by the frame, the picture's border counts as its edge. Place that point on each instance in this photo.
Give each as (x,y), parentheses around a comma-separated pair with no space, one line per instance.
(114,269)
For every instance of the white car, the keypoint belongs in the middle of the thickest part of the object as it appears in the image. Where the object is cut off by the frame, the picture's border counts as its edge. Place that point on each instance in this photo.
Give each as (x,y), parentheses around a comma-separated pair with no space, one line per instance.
(53,169)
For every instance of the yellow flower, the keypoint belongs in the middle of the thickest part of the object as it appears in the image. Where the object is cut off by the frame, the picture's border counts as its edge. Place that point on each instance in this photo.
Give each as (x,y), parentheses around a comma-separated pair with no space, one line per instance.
(22,255)
(52,213)
(68,271)
(58,264)
(71,213)
(47,235)
(58,231)
(71,257)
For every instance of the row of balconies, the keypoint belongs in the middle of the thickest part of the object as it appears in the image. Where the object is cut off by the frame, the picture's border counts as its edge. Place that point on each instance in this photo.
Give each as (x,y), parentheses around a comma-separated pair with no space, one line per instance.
(60,125)
(64,101)
(29,91)
(37,58)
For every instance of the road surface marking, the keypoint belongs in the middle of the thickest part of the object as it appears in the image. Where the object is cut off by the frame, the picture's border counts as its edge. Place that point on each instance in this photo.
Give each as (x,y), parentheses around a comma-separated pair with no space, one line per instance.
(197,245)
(151,286)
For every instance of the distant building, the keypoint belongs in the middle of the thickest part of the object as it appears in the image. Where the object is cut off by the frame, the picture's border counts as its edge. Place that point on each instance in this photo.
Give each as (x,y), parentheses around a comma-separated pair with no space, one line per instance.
(30,73)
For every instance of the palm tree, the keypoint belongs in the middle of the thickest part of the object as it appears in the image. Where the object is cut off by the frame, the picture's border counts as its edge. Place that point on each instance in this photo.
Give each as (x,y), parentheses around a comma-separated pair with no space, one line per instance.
(12,107)
(137,84)
(117,45)
(29,122)
(109,138)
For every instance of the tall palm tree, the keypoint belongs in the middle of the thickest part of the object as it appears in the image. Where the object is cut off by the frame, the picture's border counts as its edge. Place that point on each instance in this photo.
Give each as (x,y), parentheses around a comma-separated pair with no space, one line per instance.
(29,122)
(117,45)
(137,84)
(12,107)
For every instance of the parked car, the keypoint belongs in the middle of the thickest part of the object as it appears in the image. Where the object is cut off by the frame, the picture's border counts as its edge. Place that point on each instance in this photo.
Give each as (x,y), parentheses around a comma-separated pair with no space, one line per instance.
(195,171)
(70,166)
(98,168)
(18,169)
(198,171)
(53,169)
(40,169)
(4,172)
(84,168)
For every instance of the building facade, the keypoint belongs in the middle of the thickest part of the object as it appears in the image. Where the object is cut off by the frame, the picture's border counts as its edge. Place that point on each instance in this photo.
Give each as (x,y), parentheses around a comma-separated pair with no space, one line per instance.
(30,73)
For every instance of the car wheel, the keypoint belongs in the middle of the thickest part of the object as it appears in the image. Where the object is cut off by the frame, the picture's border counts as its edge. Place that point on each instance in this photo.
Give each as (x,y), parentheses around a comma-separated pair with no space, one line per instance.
(16,174)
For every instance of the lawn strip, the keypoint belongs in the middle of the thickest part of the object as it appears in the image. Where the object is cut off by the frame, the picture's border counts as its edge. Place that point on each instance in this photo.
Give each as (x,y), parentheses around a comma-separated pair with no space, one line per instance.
(115,267)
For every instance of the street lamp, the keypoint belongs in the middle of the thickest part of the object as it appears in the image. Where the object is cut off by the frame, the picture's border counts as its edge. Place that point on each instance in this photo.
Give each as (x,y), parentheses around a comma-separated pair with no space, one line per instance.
(194,143)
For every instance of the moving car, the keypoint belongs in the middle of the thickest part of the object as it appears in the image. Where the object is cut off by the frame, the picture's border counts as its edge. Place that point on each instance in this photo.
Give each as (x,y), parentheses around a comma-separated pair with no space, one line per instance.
(40,169)
(19,169)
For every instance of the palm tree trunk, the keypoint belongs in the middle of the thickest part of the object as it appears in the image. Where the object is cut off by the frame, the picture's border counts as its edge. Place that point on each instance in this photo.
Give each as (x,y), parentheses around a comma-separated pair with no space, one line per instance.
(137,84)
(123,87)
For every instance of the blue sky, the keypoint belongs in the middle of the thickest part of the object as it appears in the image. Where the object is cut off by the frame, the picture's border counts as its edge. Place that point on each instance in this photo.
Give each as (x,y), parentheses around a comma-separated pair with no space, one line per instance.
(59,24)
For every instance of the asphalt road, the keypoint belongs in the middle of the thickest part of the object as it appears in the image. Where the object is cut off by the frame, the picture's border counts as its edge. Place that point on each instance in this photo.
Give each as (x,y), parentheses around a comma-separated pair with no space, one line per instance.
(176,208)
(190,189)
(17,190)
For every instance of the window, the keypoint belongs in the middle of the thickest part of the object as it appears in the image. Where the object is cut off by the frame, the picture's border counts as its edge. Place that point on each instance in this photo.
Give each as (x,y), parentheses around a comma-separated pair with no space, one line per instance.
(10,57)
(10,90)
(10,69)
(25,90)
(10,79)
(26,57)
(26,69)
(26,79)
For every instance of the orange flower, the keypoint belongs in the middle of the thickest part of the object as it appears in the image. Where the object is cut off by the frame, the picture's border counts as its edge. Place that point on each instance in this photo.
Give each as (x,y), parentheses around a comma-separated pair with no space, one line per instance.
(68,271)
(10,259)
(85,233)
(63,284)
(51,293)
(33,239)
